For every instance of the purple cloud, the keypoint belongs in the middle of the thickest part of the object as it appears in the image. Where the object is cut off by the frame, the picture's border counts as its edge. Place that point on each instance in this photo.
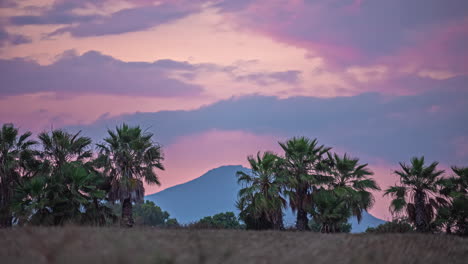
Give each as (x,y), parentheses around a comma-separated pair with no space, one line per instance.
(8,4)
(352,33)
(93,73)
(138,18)
(127,20)
(233,6)
(12,39)
(392,128)
(59,13)
(290,77)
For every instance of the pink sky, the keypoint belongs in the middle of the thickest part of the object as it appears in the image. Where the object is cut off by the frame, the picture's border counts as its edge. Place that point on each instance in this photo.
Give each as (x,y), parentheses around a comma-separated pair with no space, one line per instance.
(79,63)
(196,154)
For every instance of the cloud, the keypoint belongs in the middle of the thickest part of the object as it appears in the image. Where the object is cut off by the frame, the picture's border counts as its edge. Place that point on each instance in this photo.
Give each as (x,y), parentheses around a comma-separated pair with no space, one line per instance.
(128,20)
(12,39)
(461,146)
(380,130)
(8,4)
(345,32)
(48,19)
(390,128)
(61,12)
(94,73)
(233,6)
(138,17)
(289,77)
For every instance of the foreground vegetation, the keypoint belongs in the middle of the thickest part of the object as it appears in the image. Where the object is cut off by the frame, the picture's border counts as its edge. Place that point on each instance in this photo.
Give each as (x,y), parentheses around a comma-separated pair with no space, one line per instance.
(148,245)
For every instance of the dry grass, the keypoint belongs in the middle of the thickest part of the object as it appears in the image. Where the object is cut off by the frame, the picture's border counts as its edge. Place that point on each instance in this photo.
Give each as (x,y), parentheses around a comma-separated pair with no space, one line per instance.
(146,245)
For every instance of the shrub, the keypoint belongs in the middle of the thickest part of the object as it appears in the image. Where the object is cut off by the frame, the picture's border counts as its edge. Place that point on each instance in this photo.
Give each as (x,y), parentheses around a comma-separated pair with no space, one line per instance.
(226,220)
(395,226)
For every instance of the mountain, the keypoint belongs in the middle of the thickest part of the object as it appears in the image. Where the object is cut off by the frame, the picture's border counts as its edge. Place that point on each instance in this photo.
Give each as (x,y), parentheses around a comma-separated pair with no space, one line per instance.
(216,192)
(212,193)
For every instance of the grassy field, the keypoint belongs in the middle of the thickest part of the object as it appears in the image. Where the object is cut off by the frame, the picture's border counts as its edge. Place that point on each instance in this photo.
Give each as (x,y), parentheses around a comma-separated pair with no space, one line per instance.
(147,245)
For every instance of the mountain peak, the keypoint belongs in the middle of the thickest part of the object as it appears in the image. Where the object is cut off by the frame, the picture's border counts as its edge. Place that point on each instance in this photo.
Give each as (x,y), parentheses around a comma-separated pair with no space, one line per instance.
(216,192)
(225,168)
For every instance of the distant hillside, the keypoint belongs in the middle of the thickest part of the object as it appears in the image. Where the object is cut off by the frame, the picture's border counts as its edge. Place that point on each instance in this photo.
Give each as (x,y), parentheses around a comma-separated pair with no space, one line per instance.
(215,192)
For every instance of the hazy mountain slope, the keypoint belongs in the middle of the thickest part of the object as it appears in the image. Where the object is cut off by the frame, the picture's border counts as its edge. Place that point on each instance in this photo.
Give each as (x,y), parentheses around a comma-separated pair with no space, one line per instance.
(215,192)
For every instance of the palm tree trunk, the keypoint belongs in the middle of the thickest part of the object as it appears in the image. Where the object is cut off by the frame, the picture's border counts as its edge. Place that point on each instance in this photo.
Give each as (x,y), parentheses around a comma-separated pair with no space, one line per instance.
(325,228)
(462,227)
(5,212)
(127,214)
(278,221)
(420,214)
(302,220)
(5,217)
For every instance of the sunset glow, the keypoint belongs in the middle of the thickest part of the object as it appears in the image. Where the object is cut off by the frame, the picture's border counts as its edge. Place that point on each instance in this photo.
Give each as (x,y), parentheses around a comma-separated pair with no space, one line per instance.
(381,80)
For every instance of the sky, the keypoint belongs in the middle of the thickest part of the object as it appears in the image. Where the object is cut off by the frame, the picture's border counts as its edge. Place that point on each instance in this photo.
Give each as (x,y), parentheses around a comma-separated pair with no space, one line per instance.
(218,80)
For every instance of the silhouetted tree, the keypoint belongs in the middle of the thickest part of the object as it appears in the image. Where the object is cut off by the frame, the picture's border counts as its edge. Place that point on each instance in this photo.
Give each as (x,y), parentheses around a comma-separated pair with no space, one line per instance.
(261,194)
(128,157)
(348,192)
(16,155)
(300,168)
(417,192)
(65,187)
(454,214)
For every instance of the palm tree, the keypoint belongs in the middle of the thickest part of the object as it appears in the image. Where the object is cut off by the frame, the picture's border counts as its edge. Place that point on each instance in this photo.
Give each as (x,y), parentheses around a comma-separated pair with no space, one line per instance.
(65,187)
(330,210)
(60,147)
(129,156)
(417,192)
(300,168)
(351,181)
(65,155)
(73,195)
(15,153)
(262,189)
(454,214)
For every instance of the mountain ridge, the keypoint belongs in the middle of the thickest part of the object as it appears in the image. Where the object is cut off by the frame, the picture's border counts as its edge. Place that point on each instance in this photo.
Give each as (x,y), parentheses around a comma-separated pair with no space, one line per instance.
(216,191)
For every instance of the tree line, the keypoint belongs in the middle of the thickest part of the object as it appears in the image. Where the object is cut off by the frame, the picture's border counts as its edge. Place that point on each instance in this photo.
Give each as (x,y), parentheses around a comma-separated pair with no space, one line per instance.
(59,179)
(330,188)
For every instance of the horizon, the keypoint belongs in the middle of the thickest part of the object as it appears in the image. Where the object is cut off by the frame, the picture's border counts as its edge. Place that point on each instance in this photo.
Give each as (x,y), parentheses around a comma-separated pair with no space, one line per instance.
(216,81)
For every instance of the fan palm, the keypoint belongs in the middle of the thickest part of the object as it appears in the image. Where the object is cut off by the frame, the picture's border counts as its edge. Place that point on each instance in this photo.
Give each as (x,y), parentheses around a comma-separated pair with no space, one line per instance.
(129,156)
(454,214)
(300,168)
(60,147)
(65,184)
(417,192)
(330,210)
(54,199)
(262,189)
(351,181)
(16,154)
(65,155)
